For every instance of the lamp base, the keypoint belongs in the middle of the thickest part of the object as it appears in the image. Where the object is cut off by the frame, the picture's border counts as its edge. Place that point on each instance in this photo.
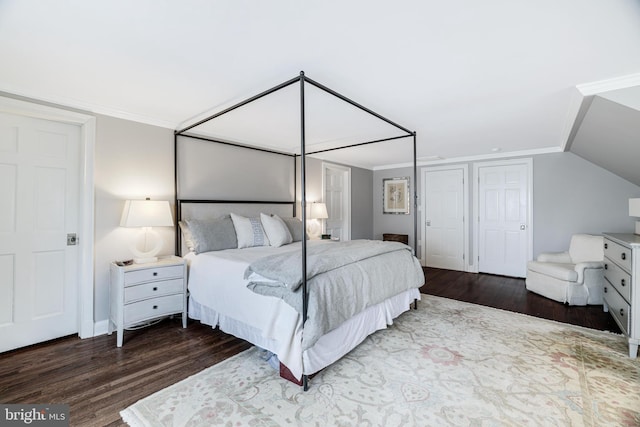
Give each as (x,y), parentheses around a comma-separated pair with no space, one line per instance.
(313,229)
(143,256)
(638,227)
(145,260)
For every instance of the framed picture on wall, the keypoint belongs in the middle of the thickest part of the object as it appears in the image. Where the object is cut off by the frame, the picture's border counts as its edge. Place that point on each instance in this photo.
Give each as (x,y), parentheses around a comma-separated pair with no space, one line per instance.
(395,196)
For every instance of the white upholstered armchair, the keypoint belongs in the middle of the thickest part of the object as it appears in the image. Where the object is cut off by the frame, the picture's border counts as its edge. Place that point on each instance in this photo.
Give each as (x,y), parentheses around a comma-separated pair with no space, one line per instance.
(575,277)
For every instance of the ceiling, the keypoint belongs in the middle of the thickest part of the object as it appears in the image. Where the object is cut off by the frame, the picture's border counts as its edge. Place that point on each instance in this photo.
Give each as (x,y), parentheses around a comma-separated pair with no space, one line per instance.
(473,79)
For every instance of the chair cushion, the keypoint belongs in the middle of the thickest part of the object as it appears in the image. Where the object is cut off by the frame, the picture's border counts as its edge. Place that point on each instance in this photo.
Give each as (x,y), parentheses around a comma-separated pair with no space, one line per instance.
(559,271)
(585,247)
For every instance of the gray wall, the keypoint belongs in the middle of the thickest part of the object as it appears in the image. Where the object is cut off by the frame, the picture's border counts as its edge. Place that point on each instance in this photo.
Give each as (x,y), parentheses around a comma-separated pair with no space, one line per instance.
(208,170)
(393,223)
(570,195)
(361,195)
(361,201)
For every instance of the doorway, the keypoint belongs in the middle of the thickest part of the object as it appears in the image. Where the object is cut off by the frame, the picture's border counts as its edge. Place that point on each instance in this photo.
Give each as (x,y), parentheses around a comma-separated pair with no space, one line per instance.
(46,162)
(504,210)
(336,184)
(445,230)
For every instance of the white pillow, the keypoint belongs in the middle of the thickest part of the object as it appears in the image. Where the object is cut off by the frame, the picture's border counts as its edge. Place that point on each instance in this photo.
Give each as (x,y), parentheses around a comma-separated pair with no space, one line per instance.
(277,231)
(249,232)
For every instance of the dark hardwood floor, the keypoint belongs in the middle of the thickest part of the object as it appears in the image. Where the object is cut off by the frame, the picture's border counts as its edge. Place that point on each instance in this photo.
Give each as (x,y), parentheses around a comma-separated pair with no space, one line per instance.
(98,380)
(509,293)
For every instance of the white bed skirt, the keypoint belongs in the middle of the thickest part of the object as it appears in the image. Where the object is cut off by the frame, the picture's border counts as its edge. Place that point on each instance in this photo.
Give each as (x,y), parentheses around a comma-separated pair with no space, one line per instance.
(330,347)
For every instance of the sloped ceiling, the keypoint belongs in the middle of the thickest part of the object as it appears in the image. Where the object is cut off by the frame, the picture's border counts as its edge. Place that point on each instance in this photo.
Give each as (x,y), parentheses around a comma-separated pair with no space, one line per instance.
(609,133)
(472,78)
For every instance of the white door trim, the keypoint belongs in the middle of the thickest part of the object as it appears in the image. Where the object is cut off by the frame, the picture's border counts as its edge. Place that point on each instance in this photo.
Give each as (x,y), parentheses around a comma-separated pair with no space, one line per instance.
(87,125)
(423,210)
(476,209)
(347,187)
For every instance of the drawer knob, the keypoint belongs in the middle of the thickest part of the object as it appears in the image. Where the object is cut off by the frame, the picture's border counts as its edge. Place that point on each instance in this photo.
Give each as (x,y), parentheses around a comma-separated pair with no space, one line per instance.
(155,288)
(623,255)
(606,267)
(622,312)
(155,273)
(622,282)
(605,289)
(606,246)
(155,307)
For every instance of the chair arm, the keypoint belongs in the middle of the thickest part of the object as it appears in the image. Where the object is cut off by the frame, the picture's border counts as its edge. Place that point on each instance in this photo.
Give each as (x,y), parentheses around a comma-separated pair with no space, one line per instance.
(557,257)
(581,266)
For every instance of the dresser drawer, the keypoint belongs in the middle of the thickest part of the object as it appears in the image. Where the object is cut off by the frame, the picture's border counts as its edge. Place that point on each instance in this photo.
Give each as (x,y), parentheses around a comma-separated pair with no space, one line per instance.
(618,278)
(148,274)
(152,290)
(618,254)
(618,308)
(155,307)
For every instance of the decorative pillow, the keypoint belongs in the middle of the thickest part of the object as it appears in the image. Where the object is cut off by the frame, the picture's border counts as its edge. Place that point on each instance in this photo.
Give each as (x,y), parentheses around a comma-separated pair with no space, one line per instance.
(249,231)
(295,228)
(209,235)
(276,230)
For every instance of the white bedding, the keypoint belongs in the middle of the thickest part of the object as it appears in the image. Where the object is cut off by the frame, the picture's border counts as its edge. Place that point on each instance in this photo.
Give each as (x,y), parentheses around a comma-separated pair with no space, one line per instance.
(219,297)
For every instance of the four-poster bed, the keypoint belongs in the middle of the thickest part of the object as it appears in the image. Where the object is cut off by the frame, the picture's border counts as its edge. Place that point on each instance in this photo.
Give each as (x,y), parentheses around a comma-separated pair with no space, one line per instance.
(287,307)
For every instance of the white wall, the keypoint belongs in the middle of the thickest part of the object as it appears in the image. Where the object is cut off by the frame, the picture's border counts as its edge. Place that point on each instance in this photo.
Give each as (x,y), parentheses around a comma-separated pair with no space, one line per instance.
(132,161)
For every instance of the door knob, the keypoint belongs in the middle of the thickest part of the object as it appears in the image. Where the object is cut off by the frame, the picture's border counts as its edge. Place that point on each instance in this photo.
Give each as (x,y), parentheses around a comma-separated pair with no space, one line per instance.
(522,226)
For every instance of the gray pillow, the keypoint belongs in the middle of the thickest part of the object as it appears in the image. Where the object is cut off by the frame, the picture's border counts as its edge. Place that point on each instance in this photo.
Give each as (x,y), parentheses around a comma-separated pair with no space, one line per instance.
(295,227)
(209,234)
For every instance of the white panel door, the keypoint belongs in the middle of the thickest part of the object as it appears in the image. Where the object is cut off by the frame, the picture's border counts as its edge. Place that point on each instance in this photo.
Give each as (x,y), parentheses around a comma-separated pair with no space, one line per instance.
(337,197)
(503,199)
(444,219)
(39,163)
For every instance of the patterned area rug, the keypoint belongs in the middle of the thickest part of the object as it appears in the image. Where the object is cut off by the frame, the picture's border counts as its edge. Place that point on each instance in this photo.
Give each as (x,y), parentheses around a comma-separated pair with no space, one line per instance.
(447,363)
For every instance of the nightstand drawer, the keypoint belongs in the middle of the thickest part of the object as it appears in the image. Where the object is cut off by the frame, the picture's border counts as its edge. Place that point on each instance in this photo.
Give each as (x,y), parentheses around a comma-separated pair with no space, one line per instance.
(152,290)
(618,308)
(152,308)
(618,254)
(148,274)
(618,278)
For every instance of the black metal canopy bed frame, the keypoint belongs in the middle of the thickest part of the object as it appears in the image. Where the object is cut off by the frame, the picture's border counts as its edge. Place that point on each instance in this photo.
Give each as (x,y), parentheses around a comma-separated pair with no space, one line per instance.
(191,132)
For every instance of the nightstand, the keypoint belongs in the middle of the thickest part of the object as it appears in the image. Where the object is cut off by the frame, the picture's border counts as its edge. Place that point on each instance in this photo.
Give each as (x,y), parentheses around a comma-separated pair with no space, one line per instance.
(144,292)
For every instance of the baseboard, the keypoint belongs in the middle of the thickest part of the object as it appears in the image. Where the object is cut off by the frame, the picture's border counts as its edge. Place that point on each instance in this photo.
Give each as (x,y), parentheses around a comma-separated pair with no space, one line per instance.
(100,328)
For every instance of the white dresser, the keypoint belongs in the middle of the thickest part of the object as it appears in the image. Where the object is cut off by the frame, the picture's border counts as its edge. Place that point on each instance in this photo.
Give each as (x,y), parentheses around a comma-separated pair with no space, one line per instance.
(143,292)
(622,284)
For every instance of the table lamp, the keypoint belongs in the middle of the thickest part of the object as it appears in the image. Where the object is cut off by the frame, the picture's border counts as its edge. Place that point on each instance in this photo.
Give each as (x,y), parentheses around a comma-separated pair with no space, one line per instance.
(315,212)
(146,214)
(634,210)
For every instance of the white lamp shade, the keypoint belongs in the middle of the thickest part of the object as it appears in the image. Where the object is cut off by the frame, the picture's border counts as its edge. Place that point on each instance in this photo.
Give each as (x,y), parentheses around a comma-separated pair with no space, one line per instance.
(146,213)
(634,207)
(317,211)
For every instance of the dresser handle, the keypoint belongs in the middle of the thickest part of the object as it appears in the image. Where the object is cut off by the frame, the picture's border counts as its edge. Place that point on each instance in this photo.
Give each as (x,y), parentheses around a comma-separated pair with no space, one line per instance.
(623,256)
(605,289)
(622,312)
(606,246)
(155,288)
(606,267)
(155,307)
(155,273)
(622,282)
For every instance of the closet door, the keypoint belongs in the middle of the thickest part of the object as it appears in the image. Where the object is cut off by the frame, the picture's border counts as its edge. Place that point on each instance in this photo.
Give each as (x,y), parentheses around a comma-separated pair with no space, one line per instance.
(504,211)
(444,219)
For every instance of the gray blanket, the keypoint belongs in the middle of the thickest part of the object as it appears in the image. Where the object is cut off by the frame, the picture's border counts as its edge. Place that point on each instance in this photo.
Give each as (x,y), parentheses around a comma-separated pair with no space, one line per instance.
(343,279)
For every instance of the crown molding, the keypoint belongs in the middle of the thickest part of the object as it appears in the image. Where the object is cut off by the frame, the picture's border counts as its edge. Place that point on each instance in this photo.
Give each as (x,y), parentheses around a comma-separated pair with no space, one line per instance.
(477,158)
(86,108)
(622,82)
